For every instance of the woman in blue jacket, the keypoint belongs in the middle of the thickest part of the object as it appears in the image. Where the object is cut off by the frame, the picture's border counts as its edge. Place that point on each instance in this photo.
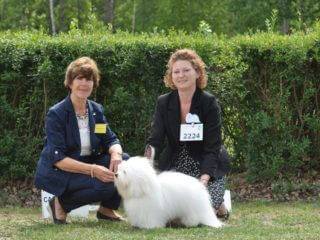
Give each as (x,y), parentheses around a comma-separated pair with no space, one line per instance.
(81,153)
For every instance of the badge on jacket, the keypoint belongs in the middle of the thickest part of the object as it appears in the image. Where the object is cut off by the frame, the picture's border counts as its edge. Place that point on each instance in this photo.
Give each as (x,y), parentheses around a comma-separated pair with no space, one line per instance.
(100,128)
(192,130)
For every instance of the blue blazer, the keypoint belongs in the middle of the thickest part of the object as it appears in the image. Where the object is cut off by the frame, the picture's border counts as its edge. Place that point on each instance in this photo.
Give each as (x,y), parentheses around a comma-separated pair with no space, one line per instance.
(63,140)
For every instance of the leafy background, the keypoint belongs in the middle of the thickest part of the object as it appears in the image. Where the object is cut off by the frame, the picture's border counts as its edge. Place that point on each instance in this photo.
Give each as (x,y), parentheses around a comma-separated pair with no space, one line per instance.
(267,85)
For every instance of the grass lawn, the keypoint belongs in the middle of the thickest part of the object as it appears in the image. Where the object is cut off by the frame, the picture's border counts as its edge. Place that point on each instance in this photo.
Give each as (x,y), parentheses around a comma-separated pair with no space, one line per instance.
(251,220)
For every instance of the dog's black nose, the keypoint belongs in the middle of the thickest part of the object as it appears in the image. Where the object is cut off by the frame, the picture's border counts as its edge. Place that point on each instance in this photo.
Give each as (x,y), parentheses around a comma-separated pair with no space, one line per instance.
(116,174)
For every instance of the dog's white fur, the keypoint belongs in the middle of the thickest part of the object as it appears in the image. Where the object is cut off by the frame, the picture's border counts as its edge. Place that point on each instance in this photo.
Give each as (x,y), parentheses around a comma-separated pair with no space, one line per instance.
(151,200)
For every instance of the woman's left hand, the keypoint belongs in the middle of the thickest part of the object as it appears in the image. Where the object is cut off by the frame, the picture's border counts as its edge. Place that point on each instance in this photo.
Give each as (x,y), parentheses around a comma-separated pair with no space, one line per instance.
(204,179)
(115,160)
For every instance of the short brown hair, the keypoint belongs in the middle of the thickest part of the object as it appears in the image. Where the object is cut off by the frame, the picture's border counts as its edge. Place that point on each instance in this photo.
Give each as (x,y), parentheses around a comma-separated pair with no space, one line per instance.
(85,67)
(196,62)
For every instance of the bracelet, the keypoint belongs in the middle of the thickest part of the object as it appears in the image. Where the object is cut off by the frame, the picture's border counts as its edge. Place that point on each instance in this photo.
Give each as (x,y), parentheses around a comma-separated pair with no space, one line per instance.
(92,170)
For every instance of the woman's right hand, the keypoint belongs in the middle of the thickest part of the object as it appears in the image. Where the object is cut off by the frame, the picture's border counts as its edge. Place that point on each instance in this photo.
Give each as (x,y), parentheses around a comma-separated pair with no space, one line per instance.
(102,173)
(149,152)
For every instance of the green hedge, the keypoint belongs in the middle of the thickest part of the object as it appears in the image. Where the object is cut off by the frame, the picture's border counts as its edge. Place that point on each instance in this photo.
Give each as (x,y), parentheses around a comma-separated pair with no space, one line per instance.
(268,86)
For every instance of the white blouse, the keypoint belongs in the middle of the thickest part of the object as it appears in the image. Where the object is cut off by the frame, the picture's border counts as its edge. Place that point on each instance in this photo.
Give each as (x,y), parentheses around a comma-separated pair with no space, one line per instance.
(84,130)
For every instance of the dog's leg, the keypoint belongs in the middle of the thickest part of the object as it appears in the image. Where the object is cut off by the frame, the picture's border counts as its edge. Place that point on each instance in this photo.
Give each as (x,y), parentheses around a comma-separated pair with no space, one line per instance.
(151,225)
(211,220)
(190,220)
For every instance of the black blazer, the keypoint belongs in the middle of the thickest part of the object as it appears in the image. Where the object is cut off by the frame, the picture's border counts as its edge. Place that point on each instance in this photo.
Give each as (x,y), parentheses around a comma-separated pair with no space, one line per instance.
(212,156)
(63,140)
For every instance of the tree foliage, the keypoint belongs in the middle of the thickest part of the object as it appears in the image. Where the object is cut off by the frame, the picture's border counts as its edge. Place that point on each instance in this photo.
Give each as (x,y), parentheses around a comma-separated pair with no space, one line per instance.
(228,17)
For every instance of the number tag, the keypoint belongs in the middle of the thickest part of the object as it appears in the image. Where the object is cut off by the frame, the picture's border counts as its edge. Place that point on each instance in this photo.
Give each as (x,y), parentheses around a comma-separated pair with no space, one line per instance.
(191,132)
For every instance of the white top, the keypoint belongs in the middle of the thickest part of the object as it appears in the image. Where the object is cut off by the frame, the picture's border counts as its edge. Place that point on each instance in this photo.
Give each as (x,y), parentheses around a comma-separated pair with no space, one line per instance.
(84,130)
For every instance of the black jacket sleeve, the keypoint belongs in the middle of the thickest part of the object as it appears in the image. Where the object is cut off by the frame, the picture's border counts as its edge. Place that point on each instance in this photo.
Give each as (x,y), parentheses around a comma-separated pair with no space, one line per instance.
(158,132)
(211,138)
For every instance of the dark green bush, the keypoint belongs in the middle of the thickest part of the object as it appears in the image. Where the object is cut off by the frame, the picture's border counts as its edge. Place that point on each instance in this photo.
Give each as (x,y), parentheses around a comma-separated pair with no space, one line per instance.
(268,86)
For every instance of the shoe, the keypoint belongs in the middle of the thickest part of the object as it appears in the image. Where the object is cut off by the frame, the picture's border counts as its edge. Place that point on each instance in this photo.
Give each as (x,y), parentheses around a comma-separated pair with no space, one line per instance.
(101,216)
(224,216)
(51,208)
(222,212)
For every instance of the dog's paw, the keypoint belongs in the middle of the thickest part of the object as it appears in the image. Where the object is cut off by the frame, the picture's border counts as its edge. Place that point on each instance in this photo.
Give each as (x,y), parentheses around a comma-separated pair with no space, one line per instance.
(218,225)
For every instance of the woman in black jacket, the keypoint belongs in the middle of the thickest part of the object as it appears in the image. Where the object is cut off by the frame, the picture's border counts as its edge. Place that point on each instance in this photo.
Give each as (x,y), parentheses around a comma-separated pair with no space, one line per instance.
(188,119)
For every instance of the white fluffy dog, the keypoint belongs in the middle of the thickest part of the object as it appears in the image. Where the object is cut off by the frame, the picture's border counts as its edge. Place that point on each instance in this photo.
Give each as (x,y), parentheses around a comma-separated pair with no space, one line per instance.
(151,200)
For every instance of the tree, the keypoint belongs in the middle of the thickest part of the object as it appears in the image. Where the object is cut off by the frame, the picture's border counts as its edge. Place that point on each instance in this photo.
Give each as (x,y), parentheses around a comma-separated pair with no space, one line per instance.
(62,24)
(109,11)
(223,16)
(53,26)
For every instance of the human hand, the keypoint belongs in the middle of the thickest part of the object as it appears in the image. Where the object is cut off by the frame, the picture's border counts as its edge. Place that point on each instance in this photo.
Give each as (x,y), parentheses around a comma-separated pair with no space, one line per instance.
(204,179)
(204,182)
(102,173)
(149,152)
(116,159)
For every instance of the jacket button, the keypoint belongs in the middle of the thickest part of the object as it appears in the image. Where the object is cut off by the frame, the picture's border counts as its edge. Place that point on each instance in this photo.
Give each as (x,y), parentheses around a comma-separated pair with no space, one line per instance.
(55,152)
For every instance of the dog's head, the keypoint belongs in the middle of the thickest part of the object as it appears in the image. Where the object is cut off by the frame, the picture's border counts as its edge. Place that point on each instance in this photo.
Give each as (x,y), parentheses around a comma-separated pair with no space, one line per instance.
(135,178)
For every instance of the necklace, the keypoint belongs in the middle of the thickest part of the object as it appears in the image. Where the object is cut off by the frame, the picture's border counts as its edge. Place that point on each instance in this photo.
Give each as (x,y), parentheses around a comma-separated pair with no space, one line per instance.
(83,117)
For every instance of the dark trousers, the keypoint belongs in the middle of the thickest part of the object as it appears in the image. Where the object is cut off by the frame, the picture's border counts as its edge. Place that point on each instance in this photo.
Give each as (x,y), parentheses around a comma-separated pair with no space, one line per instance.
(83,190)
